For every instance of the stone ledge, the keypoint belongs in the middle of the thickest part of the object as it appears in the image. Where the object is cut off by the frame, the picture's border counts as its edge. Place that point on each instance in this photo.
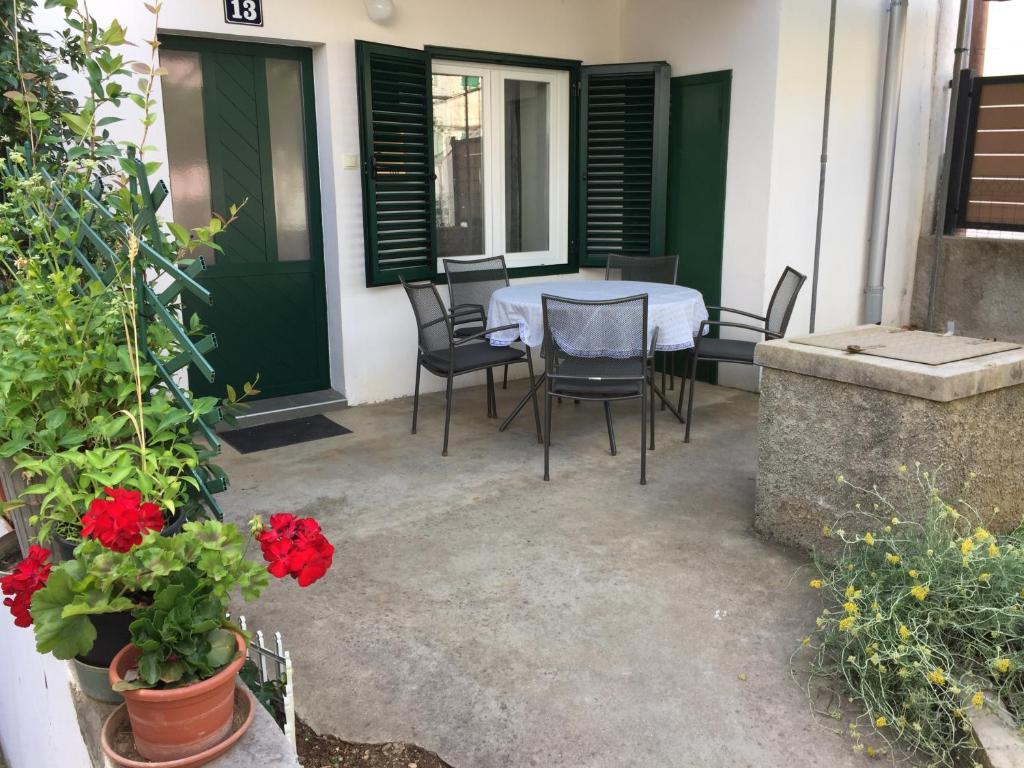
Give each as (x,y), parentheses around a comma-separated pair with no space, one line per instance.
(939,383)
(999,744)
(264,744)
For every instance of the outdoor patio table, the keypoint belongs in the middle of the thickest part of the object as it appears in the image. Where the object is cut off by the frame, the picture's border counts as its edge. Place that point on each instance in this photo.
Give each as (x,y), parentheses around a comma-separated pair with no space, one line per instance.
(676,311)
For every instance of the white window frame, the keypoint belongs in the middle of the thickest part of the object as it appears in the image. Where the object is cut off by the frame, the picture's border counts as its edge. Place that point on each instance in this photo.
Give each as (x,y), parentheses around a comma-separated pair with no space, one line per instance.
(492,79)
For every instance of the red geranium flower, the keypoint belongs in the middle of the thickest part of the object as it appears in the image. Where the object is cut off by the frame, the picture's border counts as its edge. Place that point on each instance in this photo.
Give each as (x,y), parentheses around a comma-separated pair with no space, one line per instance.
(29,576)
(296,547)
(120,522)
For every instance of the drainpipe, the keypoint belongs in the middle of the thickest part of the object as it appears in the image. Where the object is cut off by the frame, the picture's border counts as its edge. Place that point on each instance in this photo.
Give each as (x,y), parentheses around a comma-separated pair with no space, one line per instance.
(885,160)
(963,34)
(824,163)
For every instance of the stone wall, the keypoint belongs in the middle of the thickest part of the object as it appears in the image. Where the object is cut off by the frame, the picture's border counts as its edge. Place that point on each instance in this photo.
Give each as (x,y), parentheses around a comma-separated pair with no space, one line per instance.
(981,286)
(812,429)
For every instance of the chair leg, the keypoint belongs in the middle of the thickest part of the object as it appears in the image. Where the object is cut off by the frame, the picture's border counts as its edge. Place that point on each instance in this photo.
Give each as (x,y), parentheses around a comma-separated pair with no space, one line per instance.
(643,434)
(447,414)
(492,408)
(682,380)
(663,390)
(416,396)
(547,434)
(533,395)
(689,402)
(611,427)
(651,398)
(504,378)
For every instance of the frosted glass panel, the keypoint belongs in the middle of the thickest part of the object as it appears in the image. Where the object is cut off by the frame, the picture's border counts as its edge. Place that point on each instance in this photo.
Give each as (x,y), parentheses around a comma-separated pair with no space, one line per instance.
(527,185)
(288,158)
(186,141)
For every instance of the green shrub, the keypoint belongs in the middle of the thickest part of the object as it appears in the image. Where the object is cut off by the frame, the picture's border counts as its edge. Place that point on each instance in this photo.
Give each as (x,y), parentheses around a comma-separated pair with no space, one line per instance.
(923,618)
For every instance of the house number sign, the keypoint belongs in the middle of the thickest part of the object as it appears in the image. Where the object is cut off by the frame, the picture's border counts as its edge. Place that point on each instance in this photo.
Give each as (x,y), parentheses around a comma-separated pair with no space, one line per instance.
(248,12)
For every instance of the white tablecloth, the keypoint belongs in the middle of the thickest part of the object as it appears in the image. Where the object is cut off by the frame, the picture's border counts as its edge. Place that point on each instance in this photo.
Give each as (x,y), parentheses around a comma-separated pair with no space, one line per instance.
(675,311)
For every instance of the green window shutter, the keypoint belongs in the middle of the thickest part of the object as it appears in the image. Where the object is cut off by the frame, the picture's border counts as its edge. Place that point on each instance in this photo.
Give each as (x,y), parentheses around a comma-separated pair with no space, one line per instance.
(623,158)
(396,142)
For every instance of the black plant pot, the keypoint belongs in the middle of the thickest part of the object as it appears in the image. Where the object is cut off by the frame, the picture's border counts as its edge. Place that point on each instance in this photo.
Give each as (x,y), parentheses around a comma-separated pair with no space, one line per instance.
(63,549)
(112,634)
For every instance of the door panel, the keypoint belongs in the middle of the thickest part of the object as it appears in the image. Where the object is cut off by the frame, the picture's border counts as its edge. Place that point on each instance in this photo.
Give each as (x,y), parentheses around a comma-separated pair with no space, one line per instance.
(697,155)
(257,125)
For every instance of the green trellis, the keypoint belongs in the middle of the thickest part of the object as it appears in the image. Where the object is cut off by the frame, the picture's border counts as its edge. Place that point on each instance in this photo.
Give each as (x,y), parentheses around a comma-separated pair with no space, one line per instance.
(154,266)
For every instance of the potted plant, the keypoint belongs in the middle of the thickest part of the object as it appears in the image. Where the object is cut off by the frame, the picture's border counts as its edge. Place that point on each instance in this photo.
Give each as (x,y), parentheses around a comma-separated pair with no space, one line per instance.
(178,673)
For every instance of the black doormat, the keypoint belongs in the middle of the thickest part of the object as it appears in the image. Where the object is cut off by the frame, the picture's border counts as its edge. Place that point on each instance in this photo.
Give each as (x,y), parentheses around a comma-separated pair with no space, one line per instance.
(282,433)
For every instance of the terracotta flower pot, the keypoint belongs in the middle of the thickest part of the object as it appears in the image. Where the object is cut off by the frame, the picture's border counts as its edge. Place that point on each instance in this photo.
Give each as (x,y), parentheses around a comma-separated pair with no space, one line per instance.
(174,723)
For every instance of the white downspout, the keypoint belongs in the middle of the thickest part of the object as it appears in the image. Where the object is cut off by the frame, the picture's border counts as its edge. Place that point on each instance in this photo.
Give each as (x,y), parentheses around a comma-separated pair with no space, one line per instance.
(885,160)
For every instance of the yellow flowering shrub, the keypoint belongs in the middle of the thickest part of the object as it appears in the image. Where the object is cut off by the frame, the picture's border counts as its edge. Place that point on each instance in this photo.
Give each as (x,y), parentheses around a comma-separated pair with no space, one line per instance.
(923,616)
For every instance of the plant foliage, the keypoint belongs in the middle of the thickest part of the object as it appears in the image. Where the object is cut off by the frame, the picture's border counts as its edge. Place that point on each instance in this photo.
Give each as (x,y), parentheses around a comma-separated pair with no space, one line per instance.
(923,618)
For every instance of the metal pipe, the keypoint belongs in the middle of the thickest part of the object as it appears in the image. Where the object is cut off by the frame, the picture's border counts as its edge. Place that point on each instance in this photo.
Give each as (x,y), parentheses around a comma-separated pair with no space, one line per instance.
(885,160)
(824,163)
(963,34)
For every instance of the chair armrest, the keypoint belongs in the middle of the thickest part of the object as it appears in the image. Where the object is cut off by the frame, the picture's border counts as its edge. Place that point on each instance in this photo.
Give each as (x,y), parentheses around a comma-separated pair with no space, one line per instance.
(744,326)
(738,312)
(481,334)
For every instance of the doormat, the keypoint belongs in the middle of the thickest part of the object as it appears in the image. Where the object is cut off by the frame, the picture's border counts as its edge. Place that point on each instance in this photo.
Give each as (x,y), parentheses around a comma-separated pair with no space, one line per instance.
(268,436)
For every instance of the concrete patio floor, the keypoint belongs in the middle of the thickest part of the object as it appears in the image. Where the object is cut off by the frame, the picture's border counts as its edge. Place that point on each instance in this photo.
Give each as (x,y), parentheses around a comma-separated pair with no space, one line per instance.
(502,621)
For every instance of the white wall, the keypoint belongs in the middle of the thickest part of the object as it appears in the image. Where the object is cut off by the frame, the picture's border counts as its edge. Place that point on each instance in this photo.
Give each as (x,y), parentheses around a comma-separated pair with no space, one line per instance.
(777,51)
(696,36)
(861,27)
(378,353)
(38,724)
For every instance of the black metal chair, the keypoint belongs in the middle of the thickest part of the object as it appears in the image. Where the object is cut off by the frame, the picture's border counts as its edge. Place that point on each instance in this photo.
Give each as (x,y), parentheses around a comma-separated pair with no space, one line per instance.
(645,269)
(597,350)
(774,325)
(470,285)
(445,355)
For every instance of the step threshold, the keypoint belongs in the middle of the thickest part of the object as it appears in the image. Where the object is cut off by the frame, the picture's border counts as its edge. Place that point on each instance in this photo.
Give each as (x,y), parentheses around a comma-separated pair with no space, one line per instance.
(275,409)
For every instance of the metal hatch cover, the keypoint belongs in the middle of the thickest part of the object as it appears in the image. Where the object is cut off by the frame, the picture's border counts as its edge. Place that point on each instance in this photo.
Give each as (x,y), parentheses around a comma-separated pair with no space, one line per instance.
(901,344)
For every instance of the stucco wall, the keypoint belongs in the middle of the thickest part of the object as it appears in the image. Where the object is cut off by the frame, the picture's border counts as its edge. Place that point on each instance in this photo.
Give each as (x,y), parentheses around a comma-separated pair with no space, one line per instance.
(861,27)
(981,285)
(741,35)
(38,724)
(777,52)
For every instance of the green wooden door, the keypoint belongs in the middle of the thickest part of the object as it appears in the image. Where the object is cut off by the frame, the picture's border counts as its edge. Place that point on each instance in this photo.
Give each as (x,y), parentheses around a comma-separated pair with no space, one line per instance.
(698,145)
(241,131)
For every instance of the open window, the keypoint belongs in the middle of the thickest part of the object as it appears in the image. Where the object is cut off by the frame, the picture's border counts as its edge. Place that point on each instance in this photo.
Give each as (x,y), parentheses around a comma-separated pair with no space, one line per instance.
(468,154)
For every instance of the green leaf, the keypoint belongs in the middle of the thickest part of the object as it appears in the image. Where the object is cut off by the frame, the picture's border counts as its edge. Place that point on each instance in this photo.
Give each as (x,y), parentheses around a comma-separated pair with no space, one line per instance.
(81,124)
(65,638)
(55,418)
(180,234)
(223,648)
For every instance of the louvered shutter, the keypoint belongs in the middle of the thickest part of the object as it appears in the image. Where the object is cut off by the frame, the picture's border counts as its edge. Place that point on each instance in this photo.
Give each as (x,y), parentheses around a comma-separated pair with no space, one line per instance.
(623,155)
(396,141)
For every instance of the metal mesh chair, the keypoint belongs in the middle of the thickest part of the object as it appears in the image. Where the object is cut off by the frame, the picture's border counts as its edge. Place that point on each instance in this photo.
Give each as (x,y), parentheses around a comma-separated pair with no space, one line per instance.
(773,326)
(597,350)
(470,285)
(444,355)
(644,269)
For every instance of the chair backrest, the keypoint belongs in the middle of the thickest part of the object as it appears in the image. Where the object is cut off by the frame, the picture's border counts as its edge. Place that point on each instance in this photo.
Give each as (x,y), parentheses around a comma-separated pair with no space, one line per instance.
(472,282)
(606,339)
(433,323)
(644,269)
(780,308)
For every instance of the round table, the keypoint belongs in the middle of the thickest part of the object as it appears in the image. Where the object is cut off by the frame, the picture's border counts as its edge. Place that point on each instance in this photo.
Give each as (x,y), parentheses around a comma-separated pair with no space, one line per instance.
(674,310)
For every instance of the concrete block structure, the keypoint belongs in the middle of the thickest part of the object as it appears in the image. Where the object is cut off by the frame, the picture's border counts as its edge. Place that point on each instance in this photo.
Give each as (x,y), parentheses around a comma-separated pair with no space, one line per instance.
(826,412)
